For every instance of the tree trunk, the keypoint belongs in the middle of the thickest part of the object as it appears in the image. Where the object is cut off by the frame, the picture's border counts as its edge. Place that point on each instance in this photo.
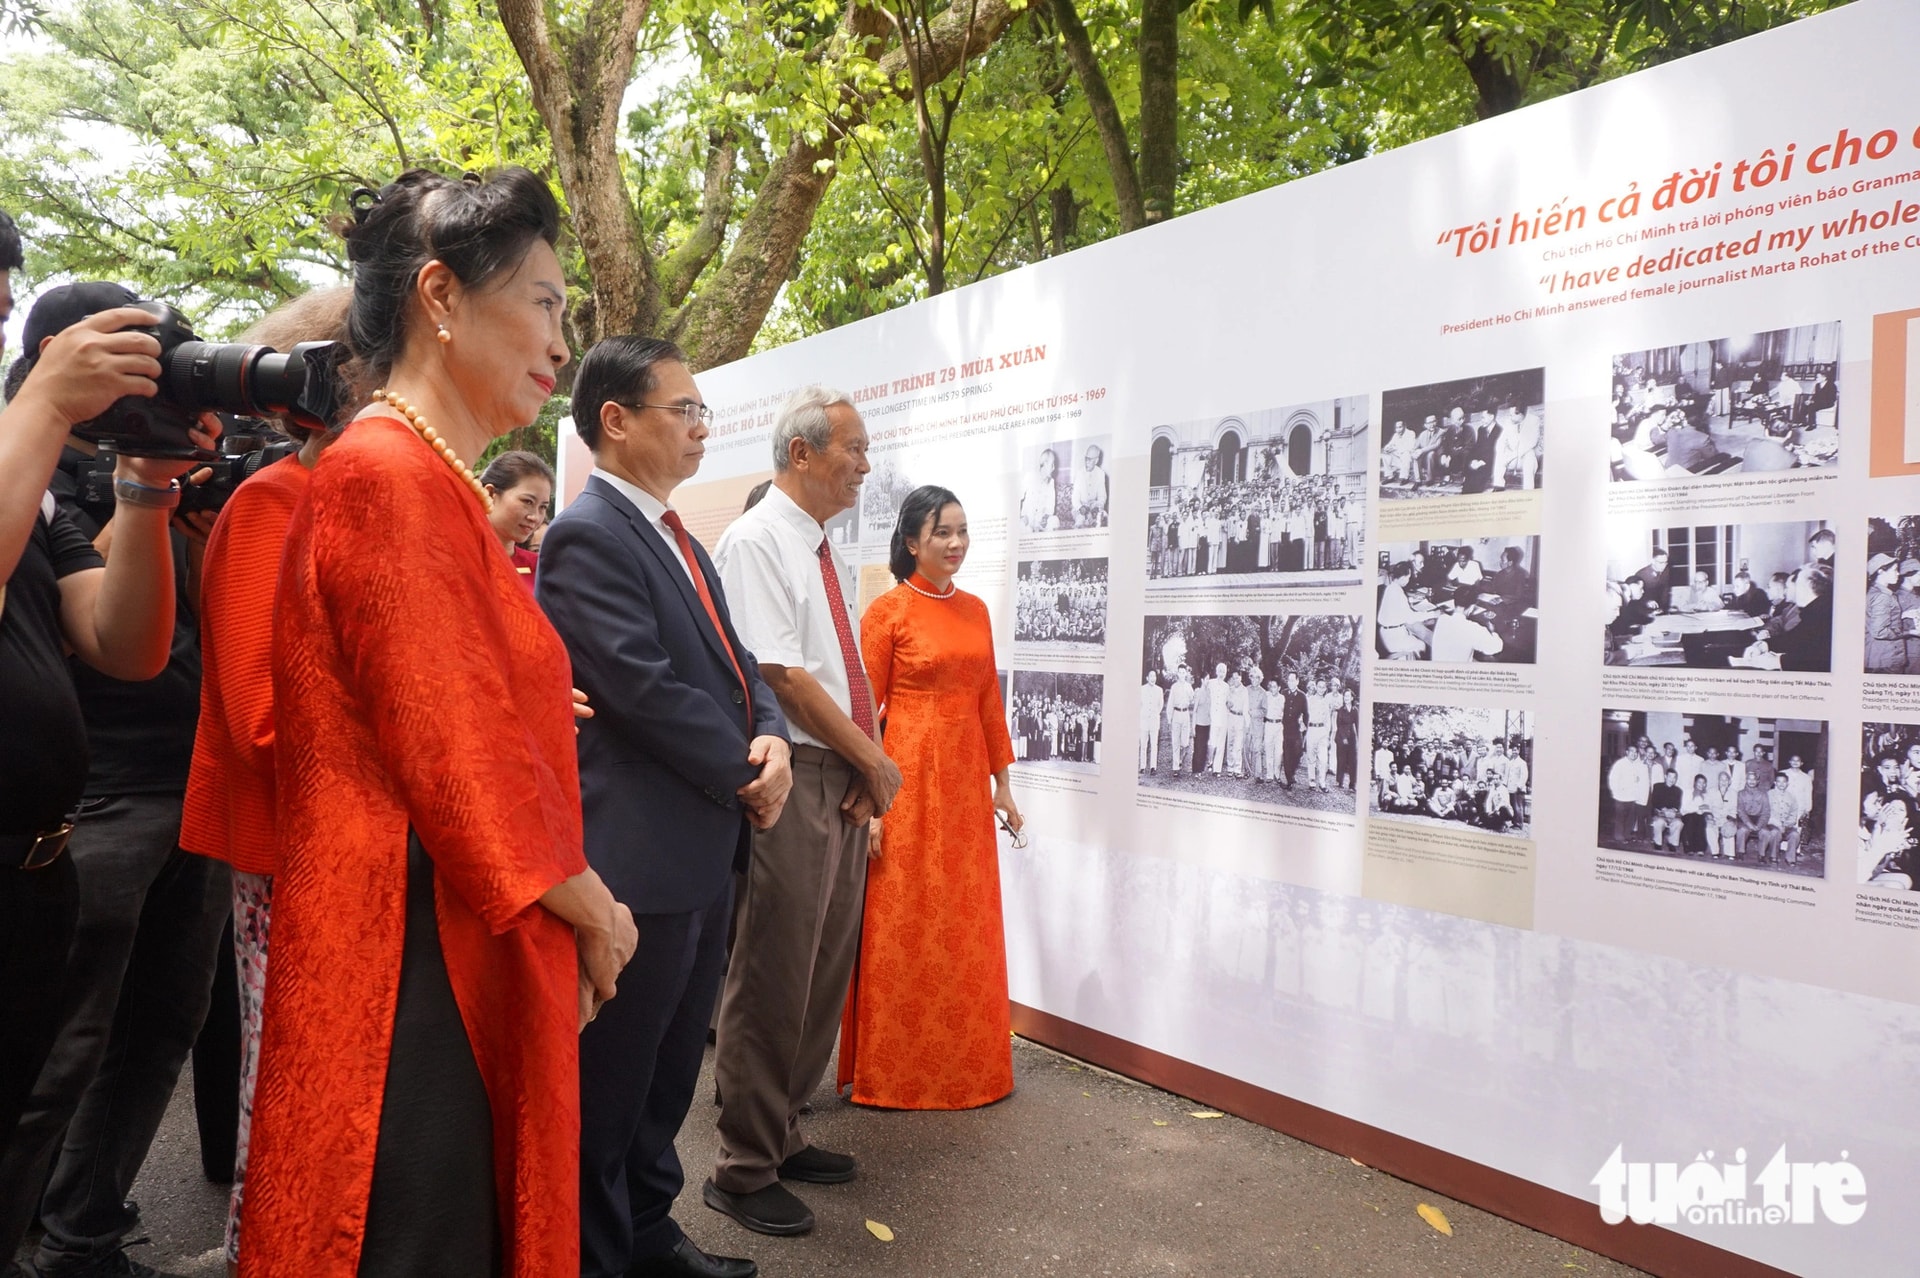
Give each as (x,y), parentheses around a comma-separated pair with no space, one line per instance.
(1065,217)
(1106,116)
(1159,106)
(719,323)
(577,81)
(1497,89)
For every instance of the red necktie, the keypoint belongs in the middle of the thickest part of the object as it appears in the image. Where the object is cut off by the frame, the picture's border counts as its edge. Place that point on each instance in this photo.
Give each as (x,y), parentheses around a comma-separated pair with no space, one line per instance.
(672,520)
(859,692)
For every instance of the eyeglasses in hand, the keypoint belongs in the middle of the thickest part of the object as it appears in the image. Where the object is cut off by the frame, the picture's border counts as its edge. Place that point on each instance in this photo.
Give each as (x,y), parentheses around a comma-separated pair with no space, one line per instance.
(1019,836)
(690,412)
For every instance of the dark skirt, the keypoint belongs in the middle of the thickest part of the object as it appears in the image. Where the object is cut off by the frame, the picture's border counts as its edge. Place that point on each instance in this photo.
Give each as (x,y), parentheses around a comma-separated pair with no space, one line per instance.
(432,1211)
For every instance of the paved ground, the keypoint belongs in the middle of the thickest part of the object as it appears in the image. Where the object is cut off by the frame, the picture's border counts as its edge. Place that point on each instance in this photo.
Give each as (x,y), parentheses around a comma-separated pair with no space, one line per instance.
(1080,1174)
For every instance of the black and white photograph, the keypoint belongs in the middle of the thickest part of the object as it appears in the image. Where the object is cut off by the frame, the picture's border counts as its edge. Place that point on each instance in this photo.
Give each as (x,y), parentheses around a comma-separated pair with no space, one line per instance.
(1738,789)
(1888,852)
(1458,599)
(1064,485)
(1278,491)
(1055,719)
(1472,435)
(1893,596)
(1263,709)
(1060,605)
(882,493)
(1735,406)
(1721,596)
(1453,766)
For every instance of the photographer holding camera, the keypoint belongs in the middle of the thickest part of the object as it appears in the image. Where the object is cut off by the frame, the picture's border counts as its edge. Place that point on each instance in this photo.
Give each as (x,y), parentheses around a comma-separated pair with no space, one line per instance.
(112,731)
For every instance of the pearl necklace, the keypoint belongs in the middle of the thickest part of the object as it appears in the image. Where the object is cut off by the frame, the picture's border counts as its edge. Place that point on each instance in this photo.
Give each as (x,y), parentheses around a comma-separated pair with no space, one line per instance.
(946,594)
(439,445)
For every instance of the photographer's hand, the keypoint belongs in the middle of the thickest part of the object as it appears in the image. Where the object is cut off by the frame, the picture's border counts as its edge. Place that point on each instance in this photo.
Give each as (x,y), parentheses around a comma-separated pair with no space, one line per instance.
(159,472)
(78,374)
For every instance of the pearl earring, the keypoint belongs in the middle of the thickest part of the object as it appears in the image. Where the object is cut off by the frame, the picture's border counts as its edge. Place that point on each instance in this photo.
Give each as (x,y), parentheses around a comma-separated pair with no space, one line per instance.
(444,335)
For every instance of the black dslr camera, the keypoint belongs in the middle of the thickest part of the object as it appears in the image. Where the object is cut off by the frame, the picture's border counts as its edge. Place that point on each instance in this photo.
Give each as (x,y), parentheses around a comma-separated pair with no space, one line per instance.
(220,377)
(246,448)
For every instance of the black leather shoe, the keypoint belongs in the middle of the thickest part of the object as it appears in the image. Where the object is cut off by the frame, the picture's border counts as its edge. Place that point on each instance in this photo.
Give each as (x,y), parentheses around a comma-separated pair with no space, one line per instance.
(774,1210)
(819,1167)
(688,1261)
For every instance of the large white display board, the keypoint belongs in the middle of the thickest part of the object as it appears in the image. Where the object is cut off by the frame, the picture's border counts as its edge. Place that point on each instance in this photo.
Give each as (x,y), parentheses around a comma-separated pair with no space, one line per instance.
(1669,317)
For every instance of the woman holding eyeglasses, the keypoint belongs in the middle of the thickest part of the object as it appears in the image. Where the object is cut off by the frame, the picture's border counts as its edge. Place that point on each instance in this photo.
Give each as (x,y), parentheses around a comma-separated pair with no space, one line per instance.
(927,1021)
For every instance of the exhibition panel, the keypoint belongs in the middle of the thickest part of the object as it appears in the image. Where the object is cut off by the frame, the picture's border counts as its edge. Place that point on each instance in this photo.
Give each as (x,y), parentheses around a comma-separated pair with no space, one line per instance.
(1461,623)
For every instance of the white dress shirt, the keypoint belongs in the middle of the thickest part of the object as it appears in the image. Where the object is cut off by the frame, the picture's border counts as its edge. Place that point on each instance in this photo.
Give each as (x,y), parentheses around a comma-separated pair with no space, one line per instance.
(655,510)
(1457,637)
(769,562)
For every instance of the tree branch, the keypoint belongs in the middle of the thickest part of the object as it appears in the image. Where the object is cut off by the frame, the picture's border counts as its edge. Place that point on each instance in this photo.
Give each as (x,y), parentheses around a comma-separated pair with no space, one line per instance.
(1106,116)
(684,264)
(577,83)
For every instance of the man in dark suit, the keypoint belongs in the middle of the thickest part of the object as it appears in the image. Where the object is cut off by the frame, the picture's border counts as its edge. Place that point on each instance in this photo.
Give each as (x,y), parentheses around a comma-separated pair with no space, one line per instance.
(1292,728)
(1482,447)
(686,752)
(1655,587)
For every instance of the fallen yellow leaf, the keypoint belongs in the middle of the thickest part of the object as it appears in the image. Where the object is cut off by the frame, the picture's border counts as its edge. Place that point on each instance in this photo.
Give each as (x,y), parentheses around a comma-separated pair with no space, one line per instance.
(1206,1113)
(1357,1163)
(879,1231)
(1159,1122)
(1435,1217)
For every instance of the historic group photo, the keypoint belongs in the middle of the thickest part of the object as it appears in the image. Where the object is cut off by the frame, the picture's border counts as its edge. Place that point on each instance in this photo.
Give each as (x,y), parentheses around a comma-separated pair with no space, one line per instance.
(1055,719)
(1061,604)
(1459,599)
(1264,709)
(1747,790)
(1723,596)
(1453,766)
(1470,435)
(1733,406)
(1279,490)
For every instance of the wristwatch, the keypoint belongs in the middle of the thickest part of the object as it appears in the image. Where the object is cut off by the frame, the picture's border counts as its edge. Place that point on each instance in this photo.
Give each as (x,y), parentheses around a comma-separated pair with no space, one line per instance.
(131,493)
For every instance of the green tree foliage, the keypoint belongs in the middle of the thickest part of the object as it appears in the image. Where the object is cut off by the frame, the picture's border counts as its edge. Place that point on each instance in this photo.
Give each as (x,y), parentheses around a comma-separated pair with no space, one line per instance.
(742,170)
(1516,52)
(200,148)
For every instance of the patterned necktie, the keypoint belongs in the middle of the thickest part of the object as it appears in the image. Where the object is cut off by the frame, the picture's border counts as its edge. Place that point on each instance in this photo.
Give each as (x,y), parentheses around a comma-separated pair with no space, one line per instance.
(858,690)
(672,520)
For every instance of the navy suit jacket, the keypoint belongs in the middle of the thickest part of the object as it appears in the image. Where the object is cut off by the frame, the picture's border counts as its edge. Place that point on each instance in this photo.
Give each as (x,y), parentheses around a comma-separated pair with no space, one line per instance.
(666,751)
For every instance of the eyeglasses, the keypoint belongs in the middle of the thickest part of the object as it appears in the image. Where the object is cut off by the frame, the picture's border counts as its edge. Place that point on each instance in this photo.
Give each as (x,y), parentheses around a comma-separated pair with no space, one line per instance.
(1019,836)
(690,413)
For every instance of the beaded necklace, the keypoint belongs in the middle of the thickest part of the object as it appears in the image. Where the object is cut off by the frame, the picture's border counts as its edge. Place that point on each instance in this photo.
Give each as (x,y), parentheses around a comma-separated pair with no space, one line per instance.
(439,445)
(931,594)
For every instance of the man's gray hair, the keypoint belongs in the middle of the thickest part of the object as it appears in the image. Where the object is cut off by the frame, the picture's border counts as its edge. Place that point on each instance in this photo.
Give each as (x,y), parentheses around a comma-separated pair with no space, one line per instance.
(804,416)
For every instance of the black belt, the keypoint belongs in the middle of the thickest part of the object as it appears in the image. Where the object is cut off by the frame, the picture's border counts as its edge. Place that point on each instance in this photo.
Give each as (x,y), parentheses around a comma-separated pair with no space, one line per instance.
(34,851)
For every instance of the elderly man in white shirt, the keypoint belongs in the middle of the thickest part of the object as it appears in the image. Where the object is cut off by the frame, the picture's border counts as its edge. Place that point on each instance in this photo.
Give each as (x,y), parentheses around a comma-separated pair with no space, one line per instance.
(1629,782)
(1458,637)
(1180,720)
(1091,489)
(1215,690)
(1151,699)
(799,921)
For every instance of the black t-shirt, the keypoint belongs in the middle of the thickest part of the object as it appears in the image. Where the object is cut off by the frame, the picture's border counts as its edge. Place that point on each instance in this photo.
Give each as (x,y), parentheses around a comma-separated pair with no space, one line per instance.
(140,734)
(43,749)
(1664,796)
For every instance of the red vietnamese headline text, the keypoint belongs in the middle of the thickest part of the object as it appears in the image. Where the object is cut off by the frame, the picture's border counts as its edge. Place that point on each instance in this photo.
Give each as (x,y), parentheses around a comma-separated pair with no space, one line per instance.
(1679,190)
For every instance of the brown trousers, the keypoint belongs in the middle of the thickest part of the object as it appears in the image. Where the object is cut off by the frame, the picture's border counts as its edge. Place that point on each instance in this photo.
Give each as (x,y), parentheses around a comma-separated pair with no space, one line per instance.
(799,932)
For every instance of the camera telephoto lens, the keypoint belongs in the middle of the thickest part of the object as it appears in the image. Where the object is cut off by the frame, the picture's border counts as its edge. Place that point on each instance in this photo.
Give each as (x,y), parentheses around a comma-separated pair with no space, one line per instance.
(221,377)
